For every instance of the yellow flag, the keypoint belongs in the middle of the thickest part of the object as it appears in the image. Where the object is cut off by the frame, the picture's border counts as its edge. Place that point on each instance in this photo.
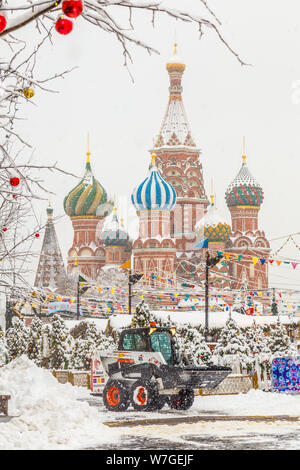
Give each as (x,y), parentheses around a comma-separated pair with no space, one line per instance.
(126,265)
(254,259)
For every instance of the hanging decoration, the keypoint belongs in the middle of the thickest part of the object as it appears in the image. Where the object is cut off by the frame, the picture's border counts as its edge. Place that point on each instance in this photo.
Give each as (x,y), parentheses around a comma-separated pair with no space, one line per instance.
(72,8)
(37,235)
(3,22)
(28,92)
(14,181)
(63,26)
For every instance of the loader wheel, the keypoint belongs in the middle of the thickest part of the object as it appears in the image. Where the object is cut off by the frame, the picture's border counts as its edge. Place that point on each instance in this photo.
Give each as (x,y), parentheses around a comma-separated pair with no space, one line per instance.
(115,396)
(143,395)
(183,401)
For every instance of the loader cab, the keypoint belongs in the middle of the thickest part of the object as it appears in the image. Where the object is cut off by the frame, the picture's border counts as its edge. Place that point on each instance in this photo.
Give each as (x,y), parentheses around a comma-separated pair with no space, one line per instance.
(150,339)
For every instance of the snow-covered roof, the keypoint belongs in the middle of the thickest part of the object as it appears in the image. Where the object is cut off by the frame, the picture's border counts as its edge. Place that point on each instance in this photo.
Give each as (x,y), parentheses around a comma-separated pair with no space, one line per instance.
(218,319)
(175,123)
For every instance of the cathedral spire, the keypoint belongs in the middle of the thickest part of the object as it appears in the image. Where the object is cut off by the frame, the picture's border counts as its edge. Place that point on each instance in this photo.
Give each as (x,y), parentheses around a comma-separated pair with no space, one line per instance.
(51,269)
(175,128)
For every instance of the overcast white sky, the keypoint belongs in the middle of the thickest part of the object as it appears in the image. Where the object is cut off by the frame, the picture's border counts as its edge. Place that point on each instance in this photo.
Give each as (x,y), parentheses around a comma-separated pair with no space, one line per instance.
(223,100)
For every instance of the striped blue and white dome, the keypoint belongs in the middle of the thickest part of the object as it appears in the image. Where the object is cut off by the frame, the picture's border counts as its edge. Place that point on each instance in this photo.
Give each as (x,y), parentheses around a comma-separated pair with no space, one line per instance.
(154,193)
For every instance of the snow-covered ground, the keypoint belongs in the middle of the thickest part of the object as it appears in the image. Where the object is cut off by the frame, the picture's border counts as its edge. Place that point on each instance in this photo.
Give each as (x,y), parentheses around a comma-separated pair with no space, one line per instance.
(49,415)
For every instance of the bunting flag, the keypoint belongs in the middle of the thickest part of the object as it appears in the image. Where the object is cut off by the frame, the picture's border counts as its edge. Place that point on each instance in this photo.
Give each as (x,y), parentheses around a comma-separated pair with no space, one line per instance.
(202,244)
(254,259)
(126,265)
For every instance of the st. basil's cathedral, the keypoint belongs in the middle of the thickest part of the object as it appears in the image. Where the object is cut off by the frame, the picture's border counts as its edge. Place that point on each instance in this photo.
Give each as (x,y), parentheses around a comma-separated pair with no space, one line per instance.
(174,214)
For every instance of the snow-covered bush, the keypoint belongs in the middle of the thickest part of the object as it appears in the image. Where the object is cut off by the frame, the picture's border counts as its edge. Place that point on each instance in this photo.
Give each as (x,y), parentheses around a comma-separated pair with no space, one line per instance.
(4,356)
(17,338)
(232,347)
(279,342)
(193,349)
(35,340)
(60,343)
(84,347)
(141,317)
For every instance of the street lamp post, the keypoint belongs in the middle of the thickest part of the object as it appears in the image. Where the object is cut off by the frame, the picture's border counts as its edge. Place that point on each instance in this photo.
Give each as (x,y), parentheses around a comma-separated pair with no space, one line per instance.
(210,261)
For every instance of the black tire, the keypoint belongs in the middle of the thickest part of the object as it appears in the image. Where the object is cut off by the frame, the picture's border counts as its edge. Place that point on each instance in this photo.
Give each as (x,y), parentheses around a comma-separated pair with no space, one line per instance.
(115,396)
(183,401)
(143,395)
(158,403)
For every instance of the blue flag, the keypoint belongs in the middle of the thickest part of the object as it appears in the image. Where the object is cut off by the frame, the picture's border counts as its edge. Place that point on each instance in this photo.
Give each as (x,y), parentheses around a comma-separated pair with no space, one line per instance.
(202,244)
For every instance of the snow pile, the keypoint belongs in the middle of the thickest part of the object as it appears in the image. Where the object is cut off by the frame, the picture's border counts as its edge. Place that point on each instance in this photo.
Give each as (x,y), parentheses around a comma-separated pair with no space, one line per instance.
(47,413)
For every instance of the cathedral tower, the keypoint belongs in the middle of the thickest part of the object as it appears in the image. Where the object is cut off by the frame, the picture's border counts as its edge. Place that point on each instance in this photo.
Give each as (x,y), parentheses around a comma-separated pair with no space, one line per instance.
(51,270)
(115,240)
(154,251)
(178,161)
(87,205)
(244,197)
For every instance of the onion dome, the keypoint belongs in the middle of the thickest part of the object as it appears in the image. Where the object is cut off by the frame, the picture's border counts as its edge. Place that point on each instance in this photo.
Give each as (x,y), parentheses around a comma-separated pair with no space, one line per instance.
(212,226)
(154,193)
(85,198)
(113,232)
(244,190)
(175,62)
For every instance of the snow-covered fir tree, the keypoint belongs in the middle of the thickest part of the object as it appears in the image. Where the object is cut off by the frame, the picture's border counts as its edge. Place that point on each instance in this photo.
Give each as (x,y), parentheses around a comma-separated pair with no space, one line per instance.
(232,342)
(46,344)
(141,317)
(35,340)
(256,340)
(279,341)
(84,347)
(60,343)
(4,356)
(193,348)
(17,338)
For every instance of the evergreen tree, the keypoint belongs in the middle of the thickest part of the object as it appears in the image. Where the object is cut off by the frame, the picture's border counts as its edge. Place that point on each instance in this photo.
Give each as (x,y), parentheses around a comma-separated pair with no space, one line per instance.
(60,342)
(193,348)
(46,345)
(233,342)
(35,340)
(17,338)
(256,340)
(4,356)
(92,341)
(279,341)
(274,308)
(141,317)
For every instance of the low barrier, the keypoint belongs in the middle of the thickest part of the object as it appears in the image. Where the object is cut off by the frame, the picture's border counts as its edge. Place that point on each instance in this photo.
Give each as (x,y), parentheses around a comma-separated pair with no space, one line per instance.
(231,385)
(4,404)
(78,378)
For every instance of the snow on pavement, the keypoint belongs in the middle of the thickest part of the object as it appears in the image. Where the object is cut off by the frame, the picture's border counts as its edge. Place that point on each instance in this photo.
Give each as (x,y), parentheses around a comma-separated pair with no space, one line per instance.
(253,403)
(47,414)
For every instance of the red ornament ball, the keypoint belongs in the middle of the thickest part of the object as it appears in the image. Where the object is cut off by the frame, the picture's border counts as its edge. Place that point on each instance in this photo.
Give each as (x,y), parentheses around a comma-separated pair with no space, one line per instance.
(14,181)
(72,8)
(37,235)
(3,23)
(15,196)
(4,230)
(64,26)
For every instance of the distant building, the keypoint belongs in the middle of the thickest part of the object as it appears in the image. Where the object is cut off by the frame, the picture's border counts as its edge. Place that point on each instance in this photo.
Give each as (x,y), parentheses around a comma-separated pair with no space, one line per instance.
(51,270)
(174,214)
